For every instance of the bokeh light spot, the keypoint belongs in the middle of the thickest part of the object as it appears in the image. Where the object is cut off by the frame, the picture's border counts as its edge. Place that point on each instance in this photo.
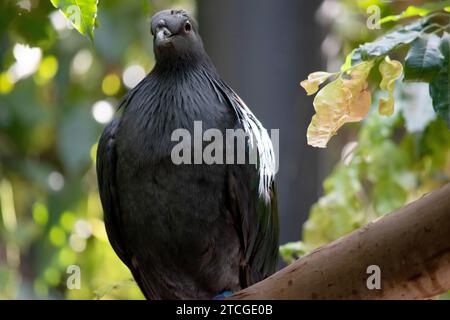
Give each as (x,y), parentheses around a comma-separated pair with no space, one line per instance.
(103,111)
(77,243)
(52,276)
(6,83)
(133,75)
(66,257)
(59,21)
(83,229)
(57,236)
(47,70)
(24,4)
(40,213)
(111,84)
(27,61)
(82,62)
(55,181)
(67,220)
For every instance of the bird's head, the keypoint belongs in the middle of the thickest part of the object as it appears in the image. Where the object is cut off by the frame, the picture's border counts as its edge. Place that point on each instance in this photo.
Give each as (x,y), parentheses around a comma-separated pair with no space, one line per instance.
(175,34)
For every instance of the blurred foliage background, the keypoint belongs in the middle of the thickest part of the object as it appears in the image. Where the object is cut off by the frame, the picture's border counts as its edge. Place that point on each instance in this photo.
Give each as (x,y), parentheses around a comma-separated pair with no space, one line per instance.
(58,89)
(386,162)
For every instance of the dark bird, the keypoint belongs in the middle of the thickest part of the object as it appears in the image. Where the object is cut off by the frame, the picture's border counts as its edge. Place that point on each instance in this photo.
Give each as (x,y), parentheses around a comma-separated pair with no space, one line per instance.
(186,231)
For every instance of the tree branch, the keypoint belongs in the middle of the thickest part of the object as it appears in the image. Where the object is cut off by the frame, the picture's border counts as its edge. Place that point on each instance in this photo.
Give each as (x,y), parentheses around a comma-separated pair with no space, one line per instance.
(411,246)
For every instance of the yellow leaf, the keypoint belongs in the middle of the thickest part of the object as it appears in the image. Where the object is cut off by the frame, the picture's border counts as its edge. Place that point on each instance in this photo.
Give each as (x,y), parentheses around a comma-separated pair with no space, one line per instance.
(340,102)
(311,85)
(390,71)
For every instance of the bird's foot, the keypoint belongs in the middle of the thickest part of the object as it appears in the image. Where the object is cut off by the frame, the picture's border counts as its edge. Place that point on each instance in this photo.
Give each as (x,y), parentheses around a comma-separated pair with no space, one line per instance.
(223,295)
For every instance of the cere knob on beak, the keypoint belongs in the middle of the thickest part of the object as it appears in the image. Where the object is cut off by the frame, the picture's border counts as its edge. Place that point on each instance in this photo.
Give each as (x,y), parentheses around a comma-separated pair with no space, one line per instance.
(162,32)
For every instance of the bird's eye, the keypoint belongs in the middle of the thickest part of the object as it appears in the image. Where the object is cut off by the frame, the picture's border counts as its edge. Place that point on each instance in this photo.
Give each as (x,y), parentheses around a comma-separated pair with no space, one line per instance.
(187,27)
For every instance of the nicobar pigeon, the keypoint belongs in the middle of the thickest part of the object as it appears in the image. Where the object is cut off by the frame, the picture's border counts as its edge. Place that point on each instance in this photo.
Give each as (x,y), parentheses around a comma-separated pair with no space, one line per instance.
(186,231)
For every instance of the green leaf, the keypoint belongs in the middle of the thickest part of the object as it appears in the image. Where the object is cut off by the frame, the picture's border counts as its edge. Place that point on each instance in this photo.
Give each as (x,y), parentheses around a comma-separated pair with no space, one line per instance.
(435,143)
(422,11)
(81,13)
(424,59)
(440,86)
(388,195)
(411,11)
(391,41)
(352,59)
(292,251)
(105,290)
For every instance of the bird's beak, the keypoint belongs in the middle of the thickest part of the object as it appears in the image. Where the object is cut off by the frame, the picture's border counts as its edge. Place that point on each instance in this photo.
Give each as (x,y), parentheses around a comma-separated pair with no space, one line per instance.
(163,36)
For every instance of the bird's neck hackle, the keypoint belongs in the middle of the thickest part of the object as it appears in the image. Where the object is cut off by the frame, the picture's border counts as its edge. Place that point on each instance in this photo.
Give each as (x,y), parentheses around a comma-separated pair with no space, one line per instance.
(178,65)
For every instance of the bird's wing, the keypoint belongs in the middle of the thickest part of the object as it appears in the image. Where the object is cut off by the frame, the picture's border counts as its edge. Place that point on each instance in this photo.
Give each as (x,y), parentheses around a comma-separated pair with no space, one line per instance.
(256,222)
(106,174)
(252,197)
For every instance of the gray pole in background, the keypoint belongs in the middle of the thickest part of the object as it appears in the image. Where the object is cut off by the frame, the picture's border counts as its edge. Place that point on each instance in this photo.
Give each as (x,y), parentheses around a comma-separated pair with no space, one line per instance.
(263,49)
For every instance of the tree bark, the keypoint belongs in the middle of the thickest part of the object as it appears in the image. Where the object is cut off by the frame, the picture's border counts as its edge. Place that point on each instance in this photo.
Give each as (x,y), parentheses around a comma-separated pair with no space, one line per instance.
(411,247)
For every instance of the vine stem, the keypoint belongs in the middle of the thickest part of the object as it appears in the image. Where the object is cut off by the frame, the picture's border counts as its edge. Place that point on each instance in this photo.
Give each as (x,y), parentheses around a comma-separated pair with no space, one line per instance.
(438,27)
(437,14)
